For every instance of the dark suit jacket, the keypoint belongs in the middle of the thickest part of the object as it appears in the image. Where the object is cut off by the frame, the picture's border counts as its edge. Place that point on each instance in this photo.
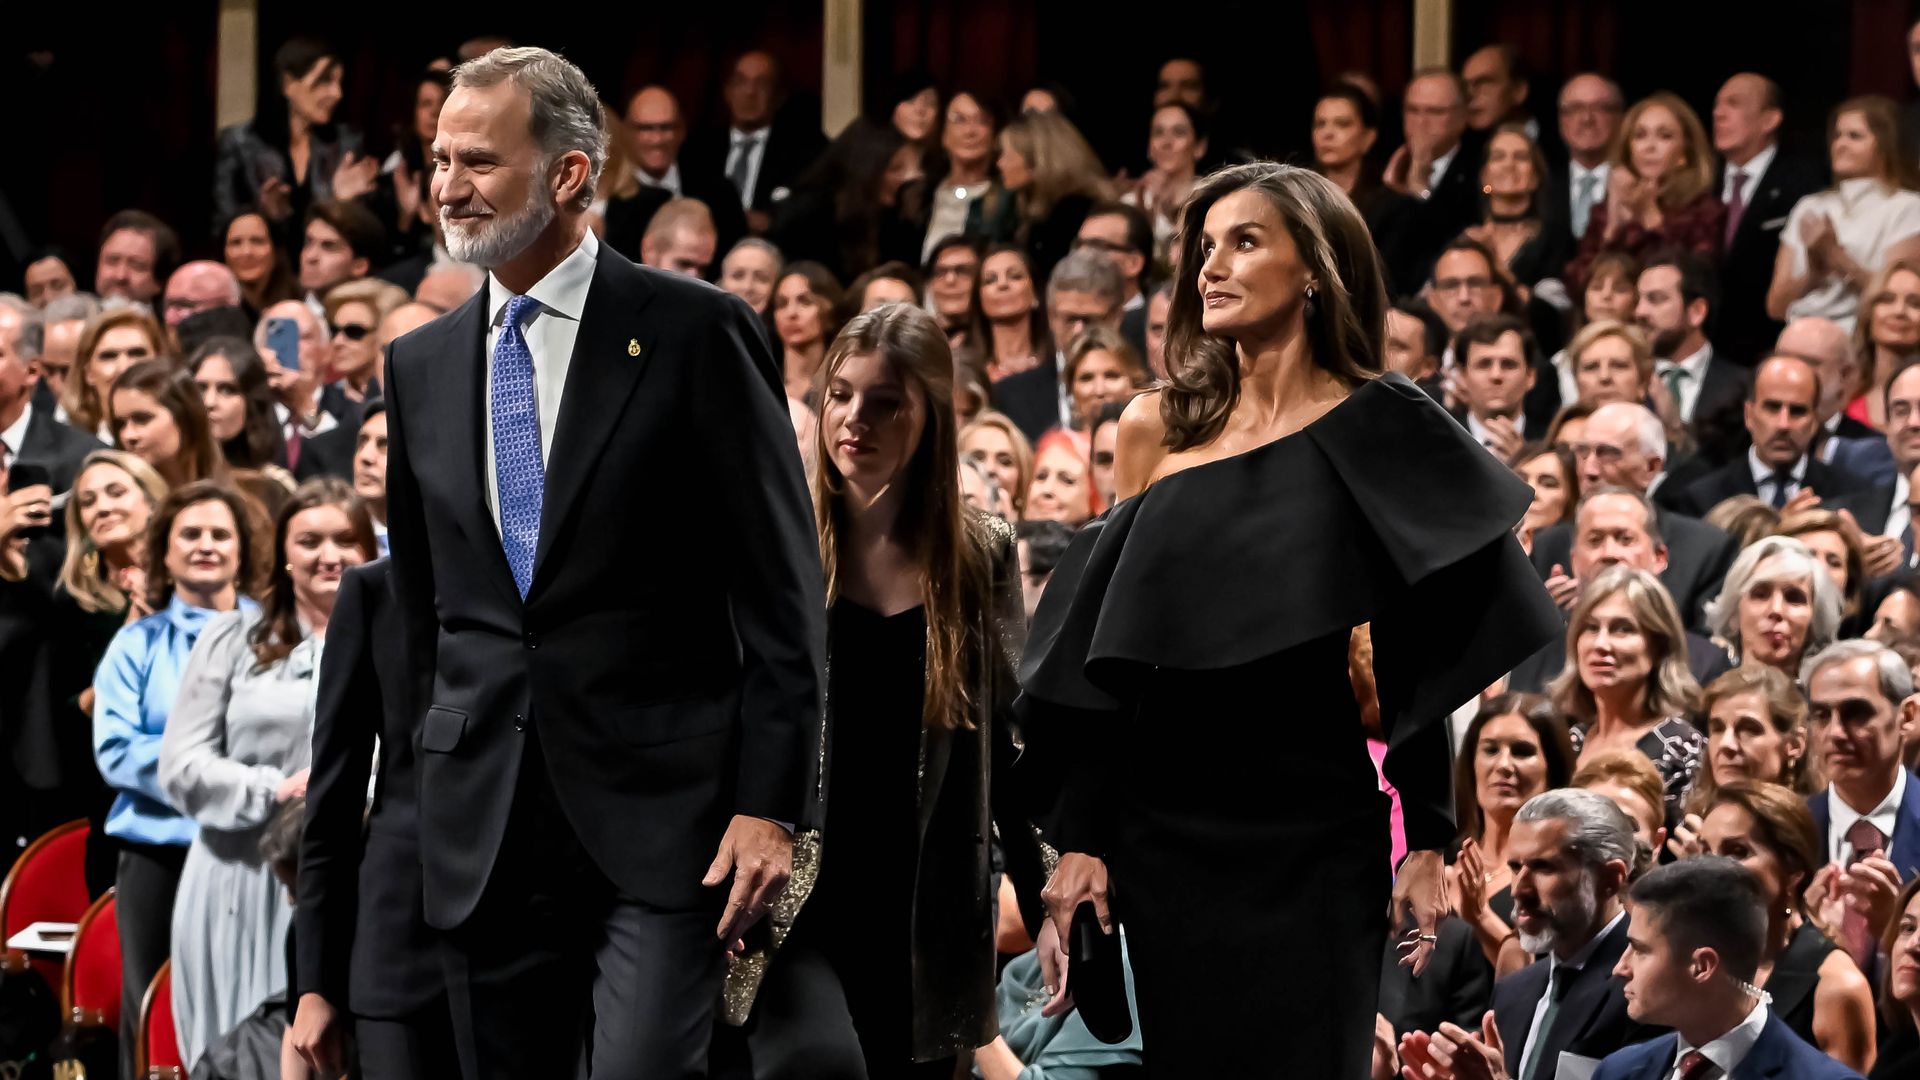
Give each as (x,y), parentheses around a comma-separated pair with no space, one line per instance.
(627,219)
(1446,212)
(1905,855)
(1741,326)
(1031,399)
(329,453)
(362,937)
(1592,1021)
(1735,478)
(1723,392)
(792,145)
(57,446)
(1870,507)
(1698,558)
(1779,1053)
(673,685)
(1133,327)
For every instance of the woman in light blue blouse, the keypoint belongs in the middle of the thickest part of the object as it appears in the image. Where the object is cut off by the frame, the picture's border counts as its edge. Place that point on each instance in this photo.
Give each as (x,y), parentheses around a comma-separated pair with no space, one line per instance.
(199,563)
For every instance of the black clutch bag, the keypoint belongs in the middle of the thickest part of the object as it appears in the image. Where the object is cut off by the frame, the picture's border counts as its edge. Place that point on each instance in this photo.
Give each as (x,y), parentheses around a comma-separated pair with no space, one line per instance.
(1097,978)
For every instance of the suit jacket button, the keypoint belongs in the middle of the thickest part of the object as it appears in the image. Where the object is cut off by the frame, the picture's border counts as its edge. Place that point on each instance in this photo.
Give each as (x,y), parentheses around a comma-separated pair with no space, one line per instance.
(533,641)
(519,722)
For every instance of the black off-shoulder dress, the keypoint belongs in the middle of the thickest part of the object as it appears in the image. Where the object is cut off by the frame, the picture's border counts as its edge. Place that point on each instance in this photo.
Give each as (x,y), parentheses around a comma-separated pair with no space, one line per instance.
(1186,686)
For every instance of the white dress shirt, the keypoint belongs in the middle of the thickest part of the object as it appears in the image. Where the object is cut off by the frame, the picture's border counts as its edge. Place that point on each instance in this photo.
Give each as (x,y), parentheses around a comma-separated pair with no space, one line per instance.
(1440,166)
(1576,173)
(1696,368)
(1478,430)
(1763,475)
(1868,218)
(550,330)
(1573,964)
(670,181)
(754,145)
(1750,174)
(1899,515)
(1729,1050)
(12,439)
(1840,817)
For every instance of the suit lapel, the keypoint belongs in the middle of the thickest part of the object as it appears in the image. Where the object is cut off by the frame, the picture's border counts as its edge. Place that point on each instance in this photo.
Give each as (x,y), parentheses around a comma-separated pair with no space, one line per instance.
(605,367)
(461,388)
(1513,1023)
(1906,832)
(1822,820)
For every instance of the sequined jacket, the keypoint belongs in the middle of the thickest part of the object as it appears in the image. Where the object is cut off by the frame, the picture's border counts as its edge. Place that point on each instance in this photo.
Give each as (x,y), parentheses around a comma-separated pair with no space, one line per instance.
(971,794)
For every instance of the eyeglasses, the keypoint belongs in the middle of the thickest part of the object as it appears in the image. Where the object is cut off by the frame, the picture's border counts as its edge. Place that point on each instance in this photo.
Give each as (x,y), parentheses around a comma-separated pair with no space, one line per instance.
(350,331)
(1094,243)
(1455,284)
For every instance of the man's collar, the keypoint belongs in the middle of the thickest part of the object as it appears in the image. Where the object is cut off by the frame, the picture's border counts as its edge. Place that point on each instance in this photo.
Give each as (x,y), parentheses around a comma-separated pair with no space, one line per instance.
(16,433)
(1579,959)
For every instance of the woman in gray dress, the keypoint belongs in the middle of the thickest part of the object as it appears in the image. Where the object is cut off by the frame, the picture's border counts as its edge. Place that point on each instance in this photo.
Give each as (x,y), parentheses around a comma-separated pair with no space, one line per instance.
(235,748)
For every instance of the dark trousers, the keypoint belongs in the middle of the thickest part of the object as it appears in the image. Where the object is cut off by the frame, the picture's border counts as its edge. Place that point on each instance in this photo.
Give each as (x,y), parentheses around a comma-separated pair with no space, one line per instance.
(416,1047)
(555,959)
(143,905)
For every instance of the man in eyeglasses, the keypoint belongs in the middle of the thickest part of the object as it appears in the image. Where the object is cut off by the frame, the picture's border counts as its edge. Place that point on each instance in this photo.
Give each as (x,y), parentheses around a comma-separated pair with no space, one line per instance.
(1084,290)
(1124,236)
(196,287)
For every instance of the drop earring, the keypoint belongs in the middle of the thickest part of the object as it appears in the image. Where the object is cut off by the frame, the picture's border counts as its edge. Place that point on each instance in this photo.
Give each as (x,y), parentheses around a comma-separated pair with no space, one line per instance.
(1311,306)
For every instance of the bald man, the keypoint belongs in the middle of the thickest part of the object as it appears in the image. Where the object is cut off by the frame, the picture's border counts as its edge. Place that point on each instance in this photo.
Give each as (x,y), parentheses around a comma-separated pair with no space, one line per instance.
(1841,441)
(1759,185)
(196,287)
(1590,108)
(656,132)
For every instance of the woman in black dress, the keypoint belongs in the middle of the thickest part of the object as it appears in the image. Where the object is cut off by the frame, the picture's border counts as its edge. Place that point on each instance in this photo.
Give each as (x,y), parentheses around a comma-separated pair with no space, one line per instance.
(889,968)
(1187,670)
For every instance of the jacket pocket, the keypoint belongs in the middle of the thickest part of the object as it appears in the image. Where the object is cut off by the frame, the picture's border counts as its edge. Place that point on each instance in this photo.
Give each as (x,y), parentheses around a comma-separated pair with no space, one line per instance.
(442,730)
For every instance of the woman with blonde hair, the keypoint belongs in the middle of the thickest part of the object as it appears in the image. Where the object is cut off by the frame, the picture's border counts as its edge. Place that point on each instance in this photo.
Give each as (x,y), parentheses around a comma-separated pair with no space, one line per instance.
(1610,361)
(1836,540)
(1049,179)
(1626,684)
(999,445)
(1660,190)
(1887,333)
(1778,605)
(112,342)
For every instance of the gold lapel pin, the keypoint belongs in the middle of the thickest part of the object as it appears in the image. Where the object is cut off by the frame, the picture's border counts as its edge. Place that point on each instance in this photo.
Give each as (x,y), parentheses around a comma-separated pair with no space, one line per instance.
(633,346)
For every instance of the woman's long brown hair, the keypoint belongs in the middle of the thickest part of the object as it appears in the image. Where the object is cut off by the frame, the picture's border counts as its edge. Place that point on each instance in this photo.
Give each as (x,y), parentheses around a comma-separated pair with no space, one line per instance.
(279,630)
(954,572)
(1346,324)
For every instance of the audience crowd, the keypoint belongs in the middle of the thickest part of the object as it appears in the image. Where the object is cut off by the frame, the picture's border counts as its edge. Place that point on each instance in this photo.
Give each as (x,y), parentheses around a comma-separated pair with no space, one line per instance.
(1688,831)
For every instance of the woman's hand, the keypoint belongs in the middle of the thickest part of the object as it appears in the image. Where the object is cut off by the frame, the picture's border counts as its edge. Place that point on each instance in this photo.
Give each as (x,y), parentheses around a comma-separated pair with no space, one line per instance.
(293,787)
(276,199)
(1420,894)
(1468,875)
(1053,969)
(317,1035)
(355,176)
(406,194)
(1685,842)
(1076,880)
(30,507)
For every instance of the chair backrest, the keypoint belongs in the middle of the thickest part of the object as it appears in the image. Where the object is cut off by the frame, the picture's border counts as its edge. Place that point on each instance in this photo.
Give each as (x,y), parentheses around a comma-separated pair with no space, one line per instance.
(90,990)
(156,1051)
(48,883)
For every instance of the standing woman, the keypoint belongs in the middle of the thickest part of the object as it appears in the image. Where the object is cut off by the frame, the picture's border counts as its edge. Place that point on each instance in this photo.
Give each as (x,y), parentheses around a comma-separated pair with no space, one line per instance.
(1277,452)
(235,748)
(200,562)
(894,947)
(1176,144)
(292,154)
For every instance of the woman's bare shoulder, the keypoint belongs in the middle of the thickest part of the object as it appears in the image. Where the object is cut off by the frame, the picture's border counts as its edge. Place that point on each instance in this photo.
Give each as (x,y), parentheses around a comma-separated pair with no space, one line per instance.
(1140,445)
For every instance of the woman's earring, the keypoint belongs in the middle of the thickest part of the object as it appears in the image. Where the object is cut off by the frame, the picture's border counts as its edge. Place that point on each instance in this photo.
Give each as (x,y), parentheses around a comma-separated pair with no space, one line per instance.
(1310,304)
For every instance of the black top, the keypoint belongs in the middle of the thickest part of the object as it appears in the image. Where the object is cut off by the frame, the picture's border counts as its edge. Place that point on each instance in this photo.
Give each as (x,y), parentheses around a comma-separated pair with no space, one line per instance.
(1795,976)
(1676,749)
(1899,1058)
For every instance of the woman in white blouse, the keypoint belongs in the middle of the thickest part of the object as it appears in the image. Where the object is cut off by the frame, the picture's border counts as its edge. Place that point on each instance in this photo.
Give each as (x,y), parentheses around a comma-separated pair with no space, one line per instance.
(235,749)
(1837,239)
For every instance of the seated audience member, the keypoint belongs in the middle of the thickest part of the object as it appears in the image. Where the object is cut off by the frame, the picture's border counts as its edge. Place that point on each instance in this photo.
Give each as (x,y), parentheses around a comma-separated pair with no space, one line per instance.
(1697,934)
(1836,540)
(1779,466)
(1882,510)
(1746,518)
(1176,145)
(1900,1000)
(1062,489)
(1626,684)
(1778,606)
(1549,470)
(358,455)
(1885,335)
(1678,301)
(1496,370)
(951,272)
(343,240)
(1611,362)
(446,287)
(680,238)
(992,440)
(354,314)
(198,286)
(137,252)
(1612,292)
(888,283)
(1435,166)
(1817,991)
(654,133)
(1897,617)
(1049,180)
(1122,234)
(48,278)
(297,388)
(1464,283)
(1569,426)
(967,141)
(1346,126)
(1010,335)
(860,203)
(1406,347)
(250,249)
(29,431)
(112,342)
(1101,370)
(1512,175)
(1497,87)
(1033,1043)
(1041,544)
(1840,441)
(1835,240)
(1084,291)
(1659,190)
(804,301)
(1756,723)
(1570,853)
(750,270)
(1635,786)
(1868,817)
(1106,447)
(65,320)
(160,416)
(240,413)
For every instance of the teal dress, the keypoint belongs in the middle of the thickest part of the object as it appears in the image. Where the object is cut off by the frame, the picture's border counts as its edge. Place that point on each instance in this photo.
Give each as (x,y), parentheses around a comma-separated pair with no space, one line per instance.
(1057,1047)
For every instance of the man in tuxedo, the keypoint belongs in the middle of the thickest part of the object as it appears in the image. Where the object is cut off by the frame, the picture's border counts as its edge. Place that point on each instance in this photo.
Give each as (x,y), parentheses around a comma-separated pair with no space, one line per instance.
(1840,441)
(29,434)
(760,156)
(1439,165)
(619,721)
(656,131)
(1860,721)
(1590,110)
(1759,185)
(367,961)
(1694,943)
(1781,420)
(1084,290)
(1123,234)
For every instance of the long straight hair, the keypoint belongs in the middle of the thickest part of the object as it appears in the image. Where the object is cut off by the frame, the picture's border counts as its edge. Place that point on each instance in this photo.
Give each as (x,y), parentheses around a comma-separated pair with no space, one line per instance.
(1346,324)
(279,630)
(84,572)
(173,389)
(932,527)
(260,440)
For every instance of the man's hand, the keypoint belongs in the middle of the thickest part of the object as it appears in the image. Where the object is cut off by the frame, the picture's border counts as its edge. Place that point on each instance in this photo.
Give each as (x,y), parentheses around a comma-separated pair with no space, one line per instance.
(1419,893)
(1077,879)
(317,1036)
(1803,500)
(759,855)
(1879,555)
(1870,886)
(1506,439)
(1563,589)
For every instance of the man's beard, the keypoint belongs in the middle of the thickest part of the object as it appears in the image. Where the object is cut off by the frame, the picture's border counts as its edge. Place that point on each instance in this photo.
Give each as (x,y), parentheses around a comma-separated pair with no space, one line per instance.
(500,238)
(1666,341)
(1577,914)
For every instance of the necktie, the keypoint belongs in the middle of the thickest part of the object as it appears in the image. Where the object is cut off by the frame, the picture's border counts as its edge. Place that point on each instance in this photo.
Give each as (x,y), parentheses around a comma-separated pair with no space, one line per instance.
(1906,542)
(743,146)
(1736,203)
(1695,1065)
(1583,203)
(1557,984)
(1862,840)
(1782,480)
(521,477)
(1676,378)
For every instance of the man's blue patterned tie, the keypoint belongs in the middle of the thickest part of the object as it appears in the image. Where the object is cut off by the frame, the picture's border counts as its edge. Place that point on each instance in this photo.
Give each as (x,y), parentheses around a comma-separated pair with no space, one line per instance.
(521,477)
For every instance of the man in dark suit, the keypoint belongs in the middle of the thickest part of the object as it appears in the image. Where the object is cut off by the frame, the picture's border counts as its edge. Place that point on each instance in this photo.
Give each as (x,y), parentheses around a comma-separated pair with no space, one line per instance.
(1840,441)
(1590,110)
(1678,298)
(1123,234)
(1084,290)
(29,435)
(1868,818)
(1883,511)
(1781,420)
(1759,185)
(762,153)
(656,130)
(367,960)
(1570,850)
(1439,165)
(619,720)
(1698,930)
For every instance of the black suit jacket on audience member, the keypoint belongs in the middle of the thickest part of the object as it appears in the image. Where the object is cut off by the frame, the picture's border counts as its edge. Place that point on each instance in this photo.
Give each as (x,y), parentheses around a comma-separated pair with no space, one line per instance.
(1742,328)
(1698,558)
(1723,393)
(329,453)
(362,939)
(792,144)
(671,685)
(1133,327)
(627,219)
(1592,1021)
(1031,399)
(58,447)
(1445,213)
(1736,478)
